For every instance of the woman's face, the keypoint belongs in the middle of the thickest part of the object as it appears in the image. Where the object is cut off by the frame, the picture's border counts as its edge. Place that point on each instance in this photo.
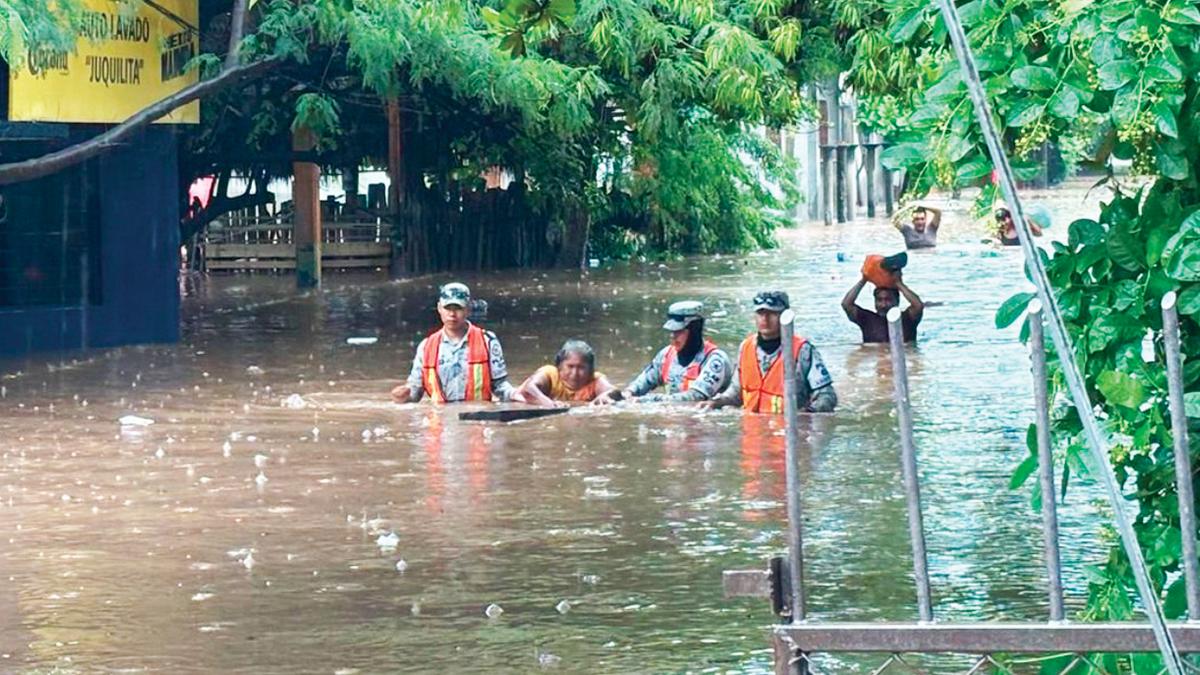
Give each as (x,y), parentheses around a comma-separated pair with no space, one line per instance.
(574,371)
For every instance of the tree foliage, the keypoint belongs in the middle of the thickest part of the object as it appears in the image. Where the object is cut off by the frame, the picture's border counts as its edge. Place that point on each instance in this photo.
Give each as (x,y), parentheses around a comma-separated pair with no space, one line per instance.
(1116,78)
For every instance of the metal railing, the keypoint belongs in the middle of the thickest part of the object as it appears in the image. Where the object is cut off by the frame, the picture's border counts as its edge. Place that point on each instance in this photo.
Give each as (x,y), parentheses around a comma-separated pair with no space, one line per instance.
(798,640)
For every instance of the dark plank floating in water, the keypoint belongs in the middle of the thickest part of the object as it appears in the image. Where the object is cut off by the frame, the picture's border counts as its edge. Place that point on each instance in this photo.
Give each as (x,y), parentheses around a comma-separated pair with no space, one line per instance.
(510,415)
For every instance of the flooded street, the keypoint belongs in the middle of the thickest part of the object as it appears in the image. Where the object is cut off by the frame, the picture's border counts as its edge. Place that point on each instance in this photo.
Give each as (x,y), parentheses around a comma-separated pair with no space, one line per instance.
(250,530)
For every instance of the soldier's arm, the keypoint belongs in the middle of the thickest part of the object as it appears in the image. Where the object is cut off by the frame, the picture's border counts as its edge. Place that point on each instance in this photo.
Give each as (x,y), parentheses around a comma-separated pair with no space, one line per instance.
(733,393)
(822,398)
(501,387)
(650,377)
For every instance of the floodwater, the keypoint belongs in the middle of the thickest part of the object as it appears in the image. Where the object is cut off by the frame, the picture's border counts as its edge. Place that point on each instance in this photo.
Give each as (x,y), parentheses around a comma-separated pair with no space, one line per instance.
(250,530)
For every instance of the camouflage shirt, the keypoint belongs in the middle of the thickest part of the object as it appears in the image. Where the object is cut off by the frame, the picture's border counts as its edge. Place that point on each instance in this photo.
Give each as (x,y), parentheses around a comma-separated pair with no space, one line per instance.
(713,378)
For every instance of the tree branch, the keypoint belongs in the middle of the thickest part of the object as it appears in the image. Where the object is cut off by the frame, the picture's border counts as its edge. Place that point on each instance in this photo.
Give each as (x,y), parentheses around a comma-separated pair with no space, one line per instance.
(237,25)
(28,169)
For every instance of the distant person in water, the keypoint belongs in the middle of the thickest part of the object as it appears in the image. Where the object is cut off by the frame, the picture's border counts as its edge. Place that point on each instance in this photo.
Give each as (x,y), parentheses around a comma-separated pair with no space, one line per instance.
(690,368)
(572,378)
(1007,229)
(458,362)
(922,233)
(757,383)
(888,287)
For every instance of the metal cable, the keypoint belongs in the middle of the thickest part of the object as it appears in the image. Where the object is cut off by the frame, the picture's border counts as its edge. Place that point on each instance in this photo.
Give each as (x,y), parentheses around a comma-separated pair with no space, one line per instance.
(1062,342)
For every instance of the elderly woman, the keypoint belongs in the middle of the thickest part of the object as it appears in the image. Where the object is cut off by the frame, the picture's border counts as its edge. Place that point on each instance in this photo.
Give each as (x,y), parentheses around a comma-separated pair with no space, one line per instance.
(572,378)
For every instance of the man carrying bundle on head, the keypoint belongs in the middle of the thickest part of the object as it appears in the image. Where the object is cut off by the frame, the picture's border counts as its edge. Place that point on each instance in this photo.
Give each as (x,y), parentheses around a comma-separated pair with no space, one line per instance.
(690,368)
(886,273)
(757,383)
(458,362)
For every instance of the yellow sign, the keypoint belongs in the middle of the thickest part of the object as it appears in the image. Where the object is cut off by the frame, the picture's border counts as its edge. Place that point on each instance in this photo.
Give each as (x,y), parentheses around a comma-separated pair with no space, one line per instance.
(124,60)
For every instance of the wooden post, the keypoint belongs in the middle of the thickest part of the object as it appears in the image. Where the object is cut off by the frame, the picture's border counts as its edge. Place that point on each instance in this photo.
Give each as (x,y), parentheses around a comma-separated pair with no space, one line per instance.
(827,191)
(396,178)
(306,225)
(889,198)
(843,207)
(350,186)
(870,147)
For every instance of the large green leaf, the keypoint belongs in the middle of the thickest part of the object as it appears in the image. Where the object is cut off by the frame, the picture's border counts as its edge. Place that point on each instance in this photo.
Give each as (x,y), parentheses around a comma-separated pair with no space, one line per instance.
(1034,78)
(1125,250)
(972,170)
(1012,309)
(1126,104)
(907,24)
(1189,302)
(1106,48)
(1170,164)
(1180,12)
(1064,104)
(1184,262)
(1191,404)
(1121,389)
(1116,74)
(1161,68)
(1165,120)
(1023,471)
(902,155)
(1025,111)
(1084,231)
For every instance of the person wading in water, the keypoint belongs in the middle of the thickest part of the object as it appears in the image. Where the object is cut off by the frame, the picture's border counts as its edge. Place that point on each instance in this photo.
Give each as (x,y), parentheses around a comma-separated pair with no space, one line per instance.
(458,362)
(889,286)
(691,368)
(922,233)
(572,378)
(757,383)
(1007,229)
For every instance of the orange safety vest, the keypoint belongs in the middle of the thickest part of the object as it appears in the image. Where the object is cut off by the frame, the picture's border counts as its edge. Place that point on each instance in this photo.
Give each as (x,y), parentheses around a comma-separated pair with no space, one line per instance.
(692,373)
(762,393)
(479,371)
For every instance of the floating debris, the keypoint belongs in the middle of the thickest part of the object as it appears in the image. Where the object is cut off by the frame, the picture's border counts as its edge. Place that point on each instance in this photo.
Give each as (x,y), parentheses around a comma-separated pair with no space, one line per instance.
(254,370)
(590,579)
(135,421)
(260,461)
(401,566)
(546,659)
(160,453)
(227,449)
(201,597)
(248,561)
(388,541)
(493,610)
(295,402)
(361,340)
(563,606)
(261,479)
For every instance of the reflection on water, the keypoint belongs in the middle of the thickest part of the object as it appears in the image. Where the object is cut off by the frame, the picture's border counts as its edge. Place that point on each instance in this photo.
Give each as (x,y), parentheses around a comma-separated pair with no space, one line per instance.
(156,548)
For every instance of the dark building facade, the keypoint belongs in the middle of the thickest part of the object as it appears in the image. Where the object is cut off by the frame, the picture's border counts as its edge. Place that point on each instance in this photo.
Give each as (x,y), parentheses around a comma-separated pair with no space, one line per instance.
(89,256)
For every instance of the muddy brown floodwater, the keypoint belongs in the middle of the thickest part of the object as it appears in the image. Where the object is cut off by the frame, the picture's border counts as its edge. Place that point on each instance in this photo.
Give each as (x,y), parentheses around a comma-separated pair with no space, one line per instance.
(239,533)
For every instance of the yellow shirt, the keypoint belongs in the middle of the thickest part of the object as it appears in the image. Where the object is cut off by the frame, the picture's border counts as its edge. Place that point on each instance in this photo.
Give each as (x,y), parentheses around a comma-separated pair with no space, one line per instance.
(559,390)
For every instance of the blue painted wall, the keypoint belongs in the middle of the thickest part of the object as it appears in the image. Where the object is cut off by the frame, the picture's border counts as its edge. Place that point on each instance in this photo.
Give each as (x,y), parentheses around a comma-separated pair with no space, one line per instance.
(136,291)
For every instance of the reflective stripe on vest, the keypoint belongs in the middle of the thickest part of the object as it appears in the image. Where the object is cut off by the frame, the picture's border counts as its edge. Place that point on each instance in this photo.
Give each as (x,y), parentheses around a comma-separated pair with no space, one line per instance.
(691,373)
(479,372)
(762,393)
